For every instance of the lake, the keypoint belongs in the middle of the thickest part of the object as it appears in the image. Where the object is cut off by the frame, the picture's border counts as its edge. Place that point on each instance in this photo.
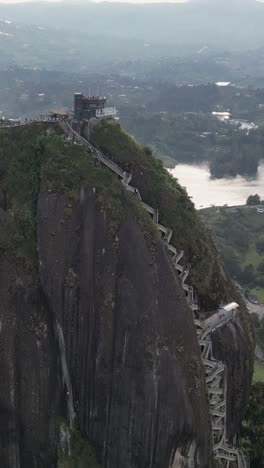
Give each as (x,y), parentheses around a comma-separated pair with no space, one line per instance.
(206,191)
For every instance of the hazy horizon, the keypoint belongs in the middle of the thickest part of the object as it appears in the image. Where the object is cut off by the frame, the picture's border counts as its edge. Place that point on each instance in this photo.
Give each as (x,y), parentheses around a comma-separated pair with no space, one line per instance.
(10,2)
(14,2)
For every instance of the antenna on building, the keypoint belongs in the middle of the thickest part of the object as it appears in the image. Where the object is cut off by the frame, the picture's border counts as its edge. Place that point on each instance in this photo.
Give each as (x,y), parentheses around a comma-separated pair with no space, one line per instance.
(89,91)
(97,91)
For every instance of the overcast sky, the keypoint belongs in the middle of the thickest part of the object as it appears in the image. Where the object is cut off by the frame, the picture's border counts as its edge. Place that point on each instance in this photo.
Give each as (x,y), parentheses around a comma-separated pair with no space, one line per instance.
(83,1)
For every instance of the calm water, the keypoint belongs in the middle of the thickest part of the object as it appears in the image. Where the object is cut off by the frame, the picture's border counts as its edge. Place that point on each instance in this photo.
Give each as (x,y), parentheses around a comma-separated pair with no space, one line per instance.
(206,191)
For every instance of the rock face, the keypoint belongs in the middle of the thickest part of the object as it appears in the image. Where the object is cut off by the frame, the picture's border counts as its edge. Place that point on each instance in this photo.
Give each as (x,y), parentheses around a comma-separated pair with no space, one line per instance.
(30,376)
(99,332)
(131,347)
(234,343)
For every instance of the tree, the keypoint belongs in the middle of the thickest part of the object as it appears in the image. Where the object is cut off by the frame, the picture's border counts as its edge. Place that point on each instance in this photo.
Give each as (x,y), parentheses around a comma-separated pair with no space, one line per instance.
(248,274)
(260,245)
(231,261)
(252,434)
(253,200)
(261,267)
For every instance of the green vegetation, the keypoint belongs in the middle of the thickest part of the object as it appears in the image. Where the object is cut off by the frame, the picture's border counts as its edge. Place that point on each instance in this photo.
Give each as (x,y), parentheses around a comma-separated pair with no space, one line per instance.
(160,190)
(68,167)
(239,235)
(194,137)
(258,372)
(259,293)
(21,157)
(239,153)
(252,434)
(30,157)
(179,137)
(82,454)
(253,200)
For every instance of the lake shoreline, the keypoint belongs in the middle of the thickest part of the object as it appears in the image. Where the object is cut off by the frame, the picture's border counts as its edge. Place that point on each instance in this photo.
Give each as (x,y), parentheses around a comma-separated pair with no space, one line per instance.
(206,191)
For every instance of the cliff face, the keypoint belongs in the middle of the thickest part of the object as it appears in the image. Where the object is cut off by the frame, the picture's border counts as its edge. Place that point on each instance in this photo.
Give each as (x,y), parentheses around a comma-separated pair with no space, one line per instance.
(30,389)
(94,325)
(232,344)
(131,345)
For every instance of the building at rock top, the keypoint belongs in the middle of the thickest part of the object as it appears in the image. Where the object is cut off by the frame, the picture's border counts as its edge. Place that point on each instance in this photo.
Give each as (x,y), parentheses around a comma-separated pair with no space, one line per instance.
(88,107)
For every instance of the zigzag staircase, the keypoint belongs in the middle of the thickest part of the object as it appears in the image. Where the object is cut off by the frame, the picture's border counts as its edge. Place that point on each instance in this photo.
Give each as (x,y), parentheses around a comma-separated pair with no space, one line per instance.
(216,375)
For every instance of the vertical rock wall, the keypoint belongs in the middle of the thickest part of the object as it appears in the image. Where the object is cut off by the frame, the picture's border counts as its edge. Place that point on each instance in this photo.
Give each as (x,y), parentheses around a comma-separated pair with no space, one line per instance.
(30,377)
(131,345)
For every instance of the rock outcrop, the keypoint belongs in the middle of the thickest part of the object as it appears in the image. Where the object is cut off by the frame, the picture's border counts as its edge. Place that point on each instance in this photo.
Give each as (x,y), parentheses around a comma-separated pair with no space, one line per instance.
(233,344)
(131,344)
(30,389)
(97,329)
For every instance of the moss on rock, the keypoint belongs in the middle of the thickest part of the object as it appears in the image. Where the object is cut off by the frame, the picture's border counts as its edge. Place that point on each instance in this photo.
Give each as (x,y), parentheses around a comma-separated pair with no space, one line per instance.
(35,155)
(82,454)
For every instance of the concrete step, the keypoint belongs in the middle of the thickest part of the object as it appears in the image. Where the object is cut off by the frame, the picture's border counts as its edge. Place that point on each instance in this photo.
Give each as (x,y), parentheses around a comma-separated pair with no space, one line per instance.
(215,391)
(218,428)
(214,374)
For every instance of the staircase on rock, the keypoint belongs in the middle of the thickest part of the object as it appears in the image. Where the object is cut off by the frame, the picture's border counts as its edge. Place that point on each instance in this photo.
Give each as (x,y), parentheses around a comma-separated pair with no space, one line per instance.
(216,374)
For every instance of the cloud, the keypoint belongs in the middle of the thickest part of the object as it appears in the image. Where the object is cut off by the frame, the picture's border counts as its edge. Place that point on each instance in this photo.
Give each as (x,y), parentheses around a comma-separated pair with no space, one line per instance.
(13,2)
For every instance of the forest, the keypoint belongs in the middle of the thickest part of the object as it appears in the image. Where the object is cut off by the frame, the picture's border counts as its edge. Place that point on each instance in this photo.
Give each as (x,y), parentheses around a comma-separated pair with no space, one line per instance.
(199,137)
(239,236)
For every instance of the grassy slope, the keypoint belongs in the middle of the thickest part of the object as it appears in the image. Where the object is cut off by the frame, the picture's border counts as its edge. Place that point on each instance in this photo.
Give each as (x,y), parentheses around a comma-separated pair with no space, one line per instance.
(160,190)
(250,223)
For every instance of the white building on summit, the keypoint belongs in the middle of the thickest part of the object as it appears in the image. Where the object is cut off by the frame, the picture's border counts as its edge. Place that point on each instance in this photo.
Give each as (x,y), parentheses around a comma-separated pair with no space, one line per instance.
(88,107)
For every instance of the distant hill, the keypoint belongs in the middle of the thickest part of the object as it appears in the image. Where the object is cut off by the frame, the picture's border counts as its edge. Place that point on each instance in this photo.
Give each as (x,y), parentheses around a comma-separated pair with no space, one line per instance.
(43,46)
(222,25)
